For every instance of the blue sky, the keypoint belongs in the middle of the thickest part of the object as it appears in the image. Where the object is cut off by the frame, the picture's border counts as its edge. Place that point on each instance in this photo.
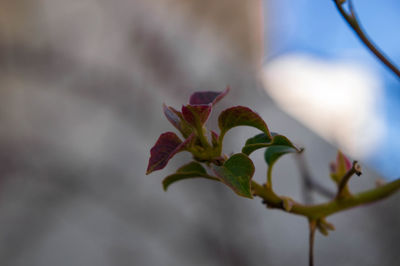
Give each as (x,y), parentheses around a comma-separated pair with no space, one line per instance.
(316,27)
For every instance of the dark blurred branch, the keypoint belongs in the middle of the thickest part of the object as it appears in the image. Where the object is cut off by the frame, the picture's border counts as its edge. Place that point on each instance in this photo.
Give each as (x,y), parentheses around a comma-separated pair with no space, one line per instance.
(313,227)
(352,20)
(309,183)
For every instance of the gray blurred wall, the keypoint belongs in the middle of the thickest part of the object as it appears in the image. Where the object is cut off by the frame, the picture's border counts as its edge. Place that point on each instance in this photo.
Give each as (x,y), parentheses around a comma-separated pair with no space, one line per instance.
(81,90)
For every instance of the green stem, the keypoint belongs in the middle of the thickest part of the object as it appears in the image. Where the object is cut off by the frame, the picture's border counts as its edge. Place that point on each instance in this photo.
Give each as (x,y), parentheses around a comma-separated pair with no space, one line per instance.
(269,177)
(322,210)
(202,137)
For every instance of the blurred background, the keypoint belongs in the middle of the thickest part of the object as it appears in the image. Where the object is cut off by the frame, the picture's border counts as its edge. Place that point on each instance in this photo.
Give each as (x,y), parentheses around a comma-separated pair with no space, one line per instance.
(81,90)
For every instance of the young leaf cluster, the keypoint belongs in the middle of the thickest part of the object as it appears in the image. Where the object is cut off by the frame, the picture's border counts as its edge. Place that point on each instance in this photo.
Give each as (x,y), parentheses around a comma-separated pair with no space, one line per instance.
(235,171)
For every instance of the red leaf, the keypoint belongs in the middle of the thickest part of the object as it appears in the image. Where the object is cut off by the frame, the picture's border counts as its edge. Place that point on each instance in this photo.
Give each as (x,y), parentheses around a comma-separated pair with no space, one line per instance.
(167,145)
(342,159)
(172,115)
(341,166)
(196,114)
(207,97)
(176,119)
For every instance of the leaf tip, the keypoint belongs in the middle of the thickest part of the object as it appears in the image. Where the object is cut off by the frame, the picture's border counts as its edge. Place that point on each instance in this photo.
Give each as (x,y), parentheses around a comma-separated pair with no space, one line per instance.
(165,186)
(207,97)
(249,196)
(150,167)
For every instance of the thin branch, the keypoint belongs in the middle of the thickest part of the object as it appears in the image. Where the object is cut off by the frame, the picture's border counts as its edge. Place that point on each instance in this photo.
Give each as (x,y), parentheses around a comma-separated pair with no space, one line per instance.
(352,10)
(309,183)
(352,20)
(317,211)
(355,169)
(313,227)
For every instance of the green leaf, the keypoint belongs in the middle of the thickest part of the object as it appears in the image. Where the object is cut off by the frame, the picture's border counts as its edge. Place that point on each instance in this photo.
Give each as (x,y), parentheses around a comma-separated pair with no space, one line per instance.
(240,116)
(283,141)
(263,141)
(279,146)
(257,142)
(273,153)
(260,138)
(236,173)
(190,170)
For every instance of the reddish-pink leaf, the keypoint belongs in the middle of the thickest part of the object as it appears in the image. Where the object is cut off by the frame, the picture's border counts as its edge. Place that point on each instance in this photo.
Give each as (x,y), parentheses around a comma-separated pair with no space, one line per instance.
(241,116)
(172,115)
(341,159)
(176,119)
(340,167)
(207,97)
(167,145)
(196,115)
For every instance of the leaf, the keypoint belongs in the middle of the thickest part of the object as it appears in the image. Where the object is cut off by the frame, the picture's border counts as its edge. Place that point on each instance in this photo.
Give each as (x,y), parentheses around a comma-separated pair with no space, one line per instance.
(236,173)
(260,138)
(283,141)
(263,141)
(339,170)
(340,167)
(240,116)
(207,97)
(273,153)
(257,142)
(190,170)
(196,115)
(167,145)
(280,146)
(176,119)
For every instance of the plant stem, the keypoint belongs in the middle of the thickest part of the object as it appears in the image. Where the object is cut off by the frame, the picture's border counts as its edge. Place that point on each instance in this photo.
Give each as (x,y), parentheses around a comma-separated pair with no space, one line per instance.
(313,226)
(355,169)
(202,137)
(269,177)
(325,209)
(351,19)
